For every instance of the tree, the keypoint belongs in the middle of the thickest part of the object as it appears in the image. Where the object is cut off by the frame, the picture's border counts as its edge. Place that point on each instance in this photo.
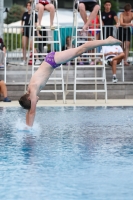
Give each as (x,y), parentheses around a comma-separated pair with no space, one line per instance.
(15,14)
(114,3)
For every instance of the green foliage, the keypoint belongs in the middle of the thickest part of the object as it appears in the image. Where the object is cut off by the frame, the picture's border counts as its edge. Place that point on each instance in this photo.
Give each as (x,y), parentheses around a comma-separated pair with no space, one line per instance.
(12,41)
(114,3)
(15,14)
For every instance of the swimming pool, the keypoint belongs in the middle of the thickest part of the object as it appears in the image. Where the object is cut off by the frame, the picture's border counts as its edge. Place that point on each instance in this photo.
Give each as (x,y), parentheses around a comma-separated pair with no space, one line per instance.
(74,153)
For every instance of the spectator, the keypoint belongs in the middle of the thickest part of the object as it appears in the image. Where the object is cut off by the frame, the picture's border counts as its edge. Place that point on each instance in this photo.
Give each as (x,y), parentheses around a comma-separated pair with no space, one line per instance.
(2,53)
(42,5)
(108,18)
(114,55)
(68,44)
(90,5)
(26,33)
(95,24)
(3,91)
(124,33)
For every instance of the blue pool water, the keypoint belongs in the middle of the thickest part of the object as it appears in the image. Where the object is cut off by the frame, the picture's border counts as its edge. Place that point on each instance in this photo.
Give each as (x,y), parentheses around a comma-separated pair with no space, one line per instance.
(73,153)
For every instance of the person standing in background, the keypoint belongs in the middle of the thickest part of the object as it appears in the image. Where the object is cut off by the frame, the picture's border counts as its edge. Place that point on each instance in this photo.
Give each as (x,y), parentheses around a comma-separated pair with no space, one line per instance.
(124,33)
(95,24)
(2,53)
(25,22)
(108,18)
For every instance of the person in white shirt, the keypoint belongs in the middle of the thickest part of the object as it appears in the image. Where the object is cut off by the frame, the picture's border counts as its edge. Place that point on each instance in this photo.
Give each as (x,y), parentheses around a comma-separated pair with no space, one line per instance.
(114,55)
(90,5)
(42,5)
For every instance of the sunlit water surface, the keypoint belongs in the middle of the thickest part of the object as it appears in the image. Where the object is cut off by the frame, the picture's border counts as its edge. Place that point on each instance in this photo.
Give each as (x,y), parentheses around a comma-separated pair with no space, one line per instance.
(72,153)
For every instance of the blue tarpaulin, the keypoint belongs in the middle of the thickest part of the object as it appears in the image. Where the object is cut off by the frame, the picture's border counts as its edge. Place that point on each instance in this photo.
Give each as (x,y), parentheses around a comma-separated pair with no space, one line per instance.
(64,32)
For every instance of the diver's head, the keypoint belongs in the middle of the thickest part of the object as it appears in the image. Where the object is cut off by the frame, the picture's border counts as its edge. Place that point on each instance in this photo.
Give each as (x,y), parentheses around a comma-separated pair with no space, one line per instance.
(25,102)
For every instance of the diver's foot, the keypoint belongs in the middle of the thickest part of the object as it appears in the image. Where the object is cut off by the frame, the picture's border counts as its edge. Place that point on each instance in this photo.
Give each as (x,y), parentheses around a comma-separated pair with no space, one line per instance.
(113,41)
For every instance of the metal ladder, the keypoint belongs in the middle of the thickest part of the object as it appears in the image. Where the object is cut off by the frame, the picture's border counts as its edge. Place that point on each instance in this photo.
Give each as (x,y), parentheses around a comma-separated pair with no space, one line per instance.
(96,81)
(55,44)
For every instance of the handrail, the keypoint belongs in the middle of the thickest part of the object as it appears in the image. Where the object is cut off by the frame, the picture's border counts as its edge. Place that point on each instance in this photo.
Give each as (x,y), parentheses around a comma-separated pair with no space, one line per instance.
(13,43)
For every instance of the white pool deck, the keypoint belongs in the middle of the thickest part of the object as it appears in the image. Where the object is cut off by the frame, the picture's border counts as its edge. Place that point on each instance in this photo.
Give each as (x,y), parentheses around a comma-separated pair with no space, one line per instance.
(110,102)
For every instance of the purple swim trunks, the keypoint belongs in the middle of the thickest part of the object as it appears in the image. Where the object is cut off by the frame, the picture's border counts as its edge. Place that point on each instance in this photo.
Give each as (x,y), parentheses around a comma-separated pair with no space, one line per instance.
(50,60)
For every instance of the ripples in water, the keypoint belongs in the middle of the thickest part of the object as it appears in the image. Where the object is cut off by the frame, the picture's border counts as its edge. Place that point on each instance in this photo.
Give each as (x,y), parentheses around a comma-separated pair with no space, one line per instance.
(71,153)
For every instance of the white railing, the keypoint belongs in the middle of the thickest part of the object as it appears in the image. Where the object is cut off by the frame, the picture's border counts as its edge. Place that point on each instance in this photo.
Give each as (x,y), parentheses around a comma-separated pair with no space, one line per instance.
(13,42)
(13,39)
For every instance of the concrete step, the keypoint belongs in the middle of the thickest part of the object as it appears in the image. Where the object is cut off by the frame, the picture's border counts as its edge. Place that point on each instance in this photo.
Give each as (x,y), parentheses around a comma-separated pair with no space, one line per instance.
(120,90)
(18,74)
(115,91)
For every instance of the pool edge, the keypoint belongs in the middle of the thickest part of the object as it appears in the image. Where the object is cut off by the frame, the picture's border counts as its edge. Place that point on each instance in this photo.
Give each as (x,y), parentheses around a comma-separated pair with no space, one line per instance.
(110,102)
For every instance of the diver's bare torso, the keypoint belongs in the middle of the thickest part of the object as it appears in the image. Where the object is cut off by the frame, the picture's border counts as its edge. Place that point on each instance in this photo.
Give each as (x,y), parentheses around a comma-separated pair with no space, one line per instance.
(39,79)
